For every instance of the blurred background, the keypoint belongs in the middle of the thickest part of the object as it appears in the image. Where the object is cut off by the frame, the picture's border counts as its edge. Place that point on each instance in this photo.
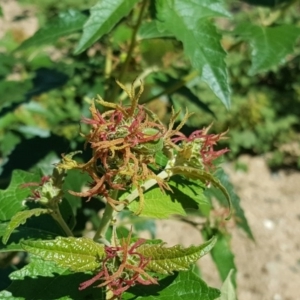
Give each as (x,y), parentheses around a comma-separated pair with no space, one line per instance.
(44,92)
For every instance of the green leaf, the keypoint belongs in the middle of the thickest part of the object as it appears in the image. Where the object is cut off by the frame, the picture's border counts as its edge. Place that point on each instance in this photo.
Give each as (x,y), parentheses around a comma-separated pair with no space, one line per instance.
(204,177)
(104,16)
(149,30)
(20,218)
(158,205)
(270,45)
(11,198)
(184,189)
(223,256)
(167,260)
(6,295)
(189,21)
(13,92)
(75,179)
(62,285)
(240,218)
(67,23)
(183,286)
(77,254)
(37,267)
(227,289)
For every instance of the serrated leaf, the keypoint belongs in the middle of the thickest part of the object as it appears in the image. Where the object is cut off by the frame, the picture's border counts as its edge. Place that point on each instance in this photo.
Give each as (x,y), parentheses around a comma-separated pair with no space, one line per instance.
(167,260)
(104,16)
(227,289)
(77,254)
(240,218)
(12,197)
(270,45)
(44,227)
(189,21)
(184,286)
(37,267)
(67,23)
(204,176)
(20,218)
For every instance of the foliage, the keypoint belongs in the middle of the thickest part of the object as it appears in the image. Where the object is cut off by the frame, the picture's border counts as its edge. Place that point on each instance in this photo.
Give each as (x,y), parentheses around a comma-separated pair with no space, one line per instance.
(132,154)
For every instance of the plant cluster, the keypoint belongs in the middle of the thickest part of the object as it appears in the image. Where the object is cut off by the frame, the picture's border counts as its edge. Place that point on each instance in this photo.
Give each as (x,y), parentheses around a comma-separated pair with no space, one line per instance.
(139,156)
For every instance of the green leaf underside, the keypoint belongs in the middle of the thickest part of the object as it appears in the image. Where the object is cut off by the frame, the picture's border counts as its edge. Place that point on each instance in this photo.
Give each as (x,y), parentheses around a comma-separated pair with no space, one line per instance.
(189,21)
(11,198)
(204,176)
(167,260)
(240,218)
(21,218)
(227,289)
(184,286)
(270,45)
(104,16)
(76,254)
(67,23)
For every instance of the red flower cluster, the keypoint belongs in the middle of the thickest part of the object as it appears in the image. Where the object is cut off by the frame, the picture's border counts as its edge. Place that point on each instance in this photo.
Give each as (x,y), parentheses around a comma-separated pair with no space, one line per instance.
(120,139)
(203,143)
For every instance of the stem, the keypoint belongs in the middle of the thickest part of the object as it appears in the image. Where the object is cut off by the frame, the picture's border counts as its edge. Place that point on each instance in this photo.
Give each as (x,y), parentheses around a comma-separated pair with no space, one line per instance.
(132,42)
(56,215)
(131,48)
(147,185)
(174,87)
(106,220)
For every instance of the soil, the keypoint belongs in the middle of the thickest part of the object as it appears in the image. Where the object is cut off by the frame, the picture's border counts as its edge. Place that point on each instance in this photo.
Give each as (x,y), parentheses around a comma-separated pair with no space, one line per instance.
(269,268)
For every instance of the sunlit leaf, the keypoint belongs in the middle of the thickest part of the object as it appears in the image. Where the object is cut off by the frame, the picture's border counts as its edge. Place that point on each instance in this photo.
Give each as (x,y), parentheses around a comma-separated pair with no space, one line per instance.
(104,16)
(77,254)
(270,45)
(20,218)
(6,295)
(190,23)
(37,267)
(167,260)
(157,205)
